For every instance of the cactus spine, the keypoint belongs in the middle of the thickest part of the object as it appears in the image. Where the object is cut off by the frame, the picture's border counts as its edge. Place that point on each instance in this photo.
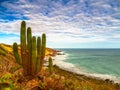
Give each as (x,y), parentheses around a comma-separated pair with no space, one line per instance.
(50,65)
(32,52)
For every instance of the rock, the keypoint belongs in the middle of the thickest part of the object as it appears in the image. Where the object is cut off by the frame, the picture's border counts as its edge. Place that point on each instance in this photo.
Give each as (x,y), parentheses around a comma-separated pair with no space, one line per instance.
(60,53)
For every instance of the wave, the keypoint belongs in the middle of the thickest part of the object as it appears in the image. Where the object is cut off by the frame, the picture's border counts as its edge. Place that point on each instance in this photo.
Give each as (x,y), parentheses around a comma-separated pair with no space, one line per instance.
(59,60)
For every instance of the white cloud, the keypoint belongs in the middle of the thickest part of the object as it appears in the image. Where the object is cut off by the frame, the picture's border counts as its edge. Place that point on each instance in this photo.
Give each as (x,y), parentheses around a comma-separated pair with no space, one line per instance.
(10,40)
(74,22)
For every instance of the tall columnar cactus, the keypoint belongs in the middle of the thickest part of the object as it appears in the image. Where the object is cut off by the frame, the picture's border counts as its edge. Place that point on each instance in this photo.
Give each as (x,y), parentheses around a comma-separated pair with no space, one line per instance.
(50,65)
(34,60)
(32,52)
(23,47)
(39,54)
(29,48)
(15,51)
(43,49)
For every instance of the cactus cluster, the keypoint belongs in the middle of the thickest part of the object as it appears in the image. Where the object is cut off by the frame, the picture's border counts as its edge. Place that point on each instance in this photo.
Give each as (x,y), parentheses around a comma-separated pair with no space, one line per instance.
(32,51)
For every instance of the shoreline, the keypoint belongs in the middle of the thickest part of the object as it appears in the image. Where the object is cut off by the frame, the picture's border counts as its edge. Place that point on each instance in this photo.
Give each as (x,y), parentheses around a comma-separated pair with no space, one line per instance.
(86,76)
(83,78)
(69,67)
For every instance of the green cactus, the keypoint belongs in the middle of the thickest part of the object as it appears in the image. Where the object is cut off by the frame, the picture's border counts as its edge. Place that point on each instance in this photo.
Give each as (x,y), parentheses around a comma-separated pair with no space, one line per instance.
(29,48)
(32,52)
(50,65)
(34,61)
(43,45)
(15,51)
(38,53)
(29,38)
(24,54)
(23,38)
(43,49)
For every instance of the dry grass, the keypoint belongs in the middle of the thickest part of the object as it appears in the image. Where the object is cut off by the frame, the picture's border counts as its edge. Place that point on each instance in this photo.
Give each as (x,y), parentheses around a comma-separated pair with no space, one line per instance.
(87,83)
(11,73)
(59,80)
(6,48)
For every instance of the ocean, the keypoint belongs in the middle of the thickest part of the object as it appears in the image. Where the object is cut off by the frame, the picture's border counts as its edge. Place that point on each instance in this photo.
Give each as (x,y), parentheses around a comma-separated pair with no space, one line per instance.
(99,63)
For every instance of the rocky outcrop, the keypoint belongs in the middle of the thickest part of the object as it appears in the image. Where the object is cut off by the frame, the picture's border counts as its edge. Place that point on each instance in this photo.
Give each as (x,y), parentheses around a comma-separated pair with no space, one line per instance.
(51,52)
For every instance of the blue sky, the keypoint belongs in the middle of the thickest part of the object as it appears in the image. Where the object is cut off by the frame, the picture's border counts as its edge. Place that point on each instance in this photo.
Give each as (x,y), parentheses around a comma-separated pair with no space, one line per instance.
(67,23)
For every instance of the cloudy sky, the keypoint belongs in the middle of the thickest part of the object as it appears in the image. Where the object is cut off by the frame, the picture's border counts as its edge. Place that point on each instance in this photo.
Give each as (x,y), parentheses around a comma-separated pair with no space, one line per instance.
(67,23)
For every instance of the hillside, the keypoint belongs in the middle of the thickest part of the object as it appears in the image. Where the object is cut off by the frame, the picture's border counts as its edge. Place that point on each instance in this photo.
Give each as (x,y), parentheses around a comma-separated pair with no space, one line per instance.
(11,75)
(7,60)
(8,50)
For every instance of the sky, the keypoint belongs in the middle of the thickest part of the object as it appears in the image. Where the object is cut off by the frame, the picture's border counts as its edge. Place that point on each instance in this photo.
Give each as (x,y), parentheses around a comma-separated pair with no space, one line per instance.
(67,23)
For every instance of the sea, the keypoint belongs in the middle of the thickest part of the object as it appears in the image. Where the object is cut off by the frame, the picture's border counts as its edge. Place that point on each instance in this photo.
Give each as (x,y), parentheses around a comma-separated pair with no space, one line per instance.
(96,63)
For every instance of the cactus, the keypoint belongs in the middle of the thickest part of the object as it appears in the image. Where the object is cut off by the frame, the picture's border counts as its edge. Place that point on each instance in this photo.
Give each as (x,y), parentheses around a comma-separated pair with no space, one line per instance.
(34,55)
(39,54)
(43,48)
(29,48)
(23,39)
(23,47)
(32,52)
(50,65)
(15,51)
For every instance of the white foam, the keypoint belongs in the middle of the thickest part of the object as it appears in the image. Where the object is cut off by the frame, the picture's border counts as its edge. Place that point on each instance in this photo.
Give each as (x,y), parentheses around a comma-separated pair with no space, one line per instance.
(61,57)
(59,61)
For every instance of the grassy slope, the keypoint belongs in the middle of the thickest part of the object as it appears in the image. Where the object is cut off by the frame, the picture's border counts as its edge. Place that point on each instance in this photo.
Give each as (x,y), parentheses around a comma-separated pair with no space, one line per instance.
(7,59)
(10,72)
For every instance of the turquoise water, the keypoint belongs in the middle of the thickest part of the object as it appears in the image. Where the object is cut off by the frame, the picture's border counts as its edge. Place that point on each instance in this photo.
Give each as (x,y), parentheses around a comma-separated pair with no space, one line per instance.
(99,61)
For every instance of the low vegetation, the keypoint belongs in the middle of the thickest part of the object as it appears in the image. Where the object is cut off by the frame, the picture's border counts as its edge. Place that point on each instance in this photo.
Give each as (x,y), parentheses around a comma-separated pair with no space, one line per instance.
(20,71)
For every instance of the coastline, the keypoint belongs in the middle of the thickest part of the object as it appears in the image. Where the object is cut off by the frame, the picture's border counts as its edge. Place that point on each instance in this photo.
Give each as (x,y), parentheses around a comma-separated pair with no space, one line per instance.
(61,77)
(87,79)
(69,67)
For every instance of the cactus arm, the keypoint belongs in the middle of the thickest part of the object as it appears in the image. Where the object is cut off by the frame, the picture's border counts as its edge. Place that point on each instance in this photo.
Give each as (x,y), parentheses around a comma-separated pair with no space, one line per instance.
(15,51)
(23,37)
(38,53)
(43,49)
(29,47)
(43,45)
(24,54)
(29,37)
(50,65)
(34,55)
